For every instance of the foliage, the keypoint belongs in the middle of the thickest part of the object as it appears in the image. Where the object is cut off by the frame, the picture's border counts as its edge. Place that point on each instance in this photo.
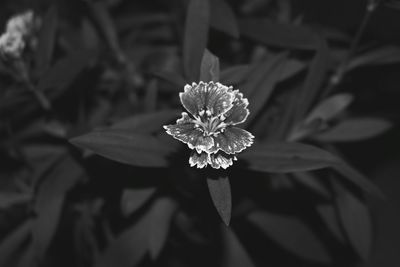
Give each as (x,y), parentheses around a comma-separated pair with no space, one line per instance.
(90,178)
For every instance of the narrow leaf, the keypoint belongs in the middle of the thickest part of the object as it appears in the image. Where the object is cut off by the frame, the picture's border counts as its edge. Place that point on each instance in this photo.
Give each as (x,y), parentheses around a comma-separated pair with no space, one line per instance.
(379,56)
(195,37)
(234,254)
(126,147)
(356,220)
(133,199)
(287,157)
(329,215)
(351,130)
(11,245)
(209,70)
(220,191)
(223,18)
(292,234)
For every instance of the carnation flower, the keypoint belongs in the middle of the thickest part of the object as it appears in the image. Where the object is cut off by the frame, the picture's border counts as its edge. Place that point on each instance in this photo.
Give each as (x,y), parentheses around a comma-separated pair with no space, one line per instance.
(209,126)
(12,44)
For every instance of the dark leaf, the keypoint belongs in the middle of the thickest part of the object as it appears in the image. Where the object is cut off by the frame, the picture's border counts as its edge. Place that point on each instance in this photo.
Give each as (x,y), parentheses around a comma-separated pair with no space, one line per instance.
(287,157)
(209,70)
(134,199)
(147,122)
(328,214)
(49,202)
(380,56)
(9,199)
(161,216)
(356,220)
(126,147)
(223,18)
(312,182)
(235,74)
(220,191)
(195,38)
(280,35)
(46,42)
(234,254)
(171,77)
(12,244)
(292,234)
(351,130)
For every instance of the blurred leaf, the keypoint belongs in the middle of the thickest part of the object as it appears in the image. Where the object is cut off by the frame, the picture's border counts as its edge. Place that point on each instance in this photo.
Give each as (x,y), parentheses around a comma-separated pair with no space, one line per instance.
(195,38)
(292,234)
(46,42)
(12,244)
(287,157)
(223,18)
(161,216)
(171,77)
(209,70)
(64,71)
(314,80)
(356,220)
(261,84)
(126,147)
(330,107)
(9,199)
(151,95)
(133,199)
(49,202)
(220,191)
(280,35)
(106,25)
(312,182)
(329,215)
(89,35)
(234,254)
(235,74)
(146,123)
(351,130)
(380,56)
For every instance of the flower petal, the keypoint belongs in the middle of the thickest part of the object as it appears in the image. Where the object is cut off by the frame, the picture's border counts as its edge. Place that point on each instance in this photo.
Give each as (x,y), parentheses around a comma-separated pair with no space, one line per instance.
(213,97)
(185,130)
(219,161)
(198,159)
(233,140)
(239,111)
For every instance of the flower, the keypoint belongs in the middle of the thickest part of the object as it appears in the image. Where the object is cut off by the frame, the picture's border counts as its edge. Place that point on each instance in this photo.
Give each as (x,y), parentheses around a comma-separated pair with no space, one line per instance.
(209,126)
(12,44)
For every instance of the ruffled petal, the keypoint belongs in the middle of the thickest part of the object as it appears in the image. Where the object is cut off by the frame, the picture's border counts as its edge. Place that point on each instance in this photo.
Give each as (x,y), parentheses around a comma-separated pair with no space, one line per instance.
(213,97)
(199,160)
(233,140)
(185,130)
(220,161)
(239,111)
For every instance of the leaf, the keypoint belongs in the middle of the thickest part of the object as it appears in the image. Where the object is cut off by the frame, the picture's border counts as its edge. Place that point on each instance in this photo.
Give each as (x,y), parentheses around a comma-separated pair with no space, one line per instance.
(314,80)
(133,199)
(126,147)
(12,244)
(329,215)
(171,77)
(292,234)
(220,191)
(312,182)
(330,107)
(235,74)
(49,202)
(351,130)
(223,18)
(209,70)
(379,56)
(261,85)
(356,220)
(234,253)
(146,122)
(287,157)
(10,199)
(281,35)
(161,216)
(64,71)
(46,42)
(195,37)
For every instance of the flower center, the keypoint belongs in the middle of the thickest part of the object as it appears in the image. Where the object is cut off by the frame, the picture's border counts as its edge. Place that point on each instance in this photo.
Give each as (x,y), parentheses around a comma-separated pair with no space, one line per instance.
(209,124)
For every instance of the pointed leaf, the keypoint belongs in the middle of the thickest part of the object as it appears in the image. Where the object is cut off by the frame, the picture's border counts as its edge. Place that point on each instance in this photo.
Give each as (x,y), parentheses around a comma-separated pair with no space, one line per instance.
(12,244)
(329,215)
(356,220)
(234,254)
(351,130)
(380,56)
(126,147)
(195,38)
(223,18)
(133,199)
(287,157)
(292,234)
(172,77)
(209,70)
(220,191)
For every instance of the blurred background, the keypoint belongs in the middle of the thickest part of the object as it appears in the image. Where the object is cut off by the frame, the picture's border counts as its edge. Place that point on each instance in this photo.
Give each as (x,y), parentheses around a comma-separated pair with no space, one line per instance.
(88,176)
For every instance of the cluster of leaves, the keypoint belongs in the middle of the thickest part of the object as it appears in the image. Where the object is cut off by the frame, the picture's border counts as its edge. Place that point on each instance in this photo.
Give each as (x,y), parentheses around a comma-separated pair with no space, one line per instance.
(111,72)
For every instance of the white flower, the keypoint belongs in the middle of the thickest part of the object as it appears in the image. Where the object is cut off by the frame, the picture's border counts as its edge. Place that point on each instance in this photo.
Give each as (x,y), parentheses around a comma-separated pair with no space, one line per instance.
(12,44)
